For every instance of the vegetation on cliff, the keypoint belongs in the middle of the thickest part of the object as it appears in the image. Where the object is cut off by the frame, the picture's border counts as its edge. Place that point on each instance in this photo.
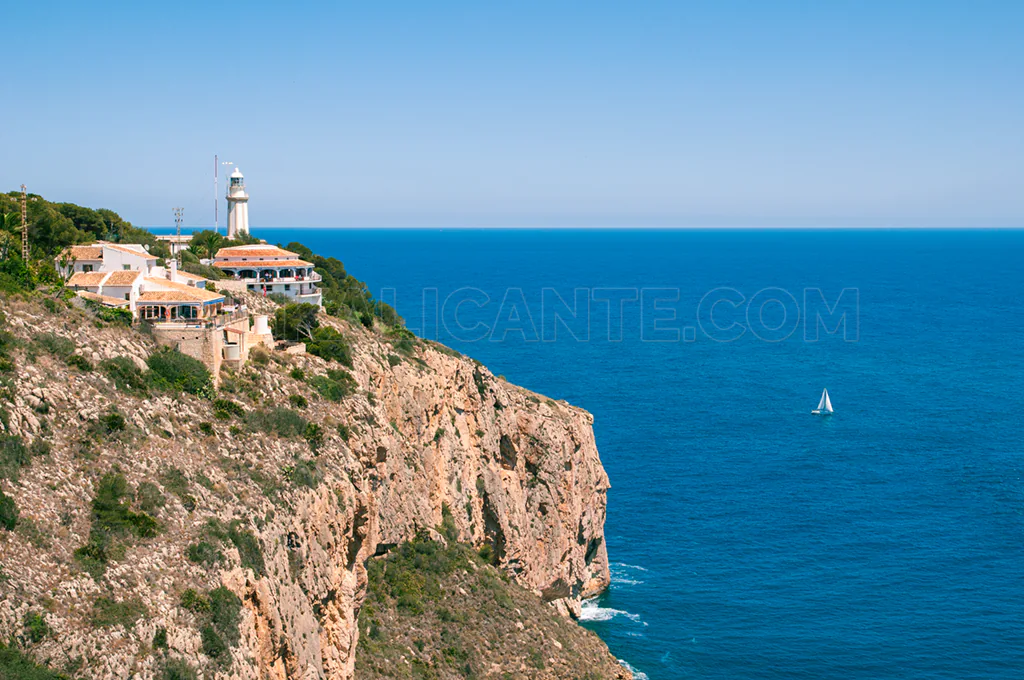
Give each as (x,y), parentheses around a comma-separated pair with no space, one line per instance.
(436,609)
(52,227)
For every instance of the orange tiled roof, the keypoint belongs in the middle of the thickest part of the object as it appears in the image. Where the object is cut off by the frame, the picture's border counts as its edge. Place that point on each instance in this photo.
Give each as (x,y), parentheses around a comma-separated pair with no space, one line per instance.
(169,296)
(93,252)
(163,290)
(254,251)
(122,278)
(266,263)
(87,278)
(103,299)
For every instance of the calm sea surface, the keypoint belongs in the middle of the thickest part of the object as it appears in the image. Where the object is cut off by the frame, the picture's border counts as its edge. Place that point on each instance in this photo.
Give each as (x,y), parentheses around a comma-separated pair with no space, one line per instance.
(748,538)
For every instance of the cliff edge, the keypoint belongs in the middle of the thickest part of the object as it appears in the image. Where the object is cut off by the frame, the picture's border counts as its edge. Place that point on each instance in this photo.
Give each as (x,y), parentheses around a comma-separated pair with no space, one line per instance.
(158,533)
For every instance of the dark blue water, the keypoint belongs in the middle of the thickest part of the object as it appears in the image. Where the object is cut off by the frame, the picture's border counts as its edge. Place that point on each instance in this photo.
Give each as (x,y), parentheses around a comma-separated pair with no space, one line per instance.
(750,539)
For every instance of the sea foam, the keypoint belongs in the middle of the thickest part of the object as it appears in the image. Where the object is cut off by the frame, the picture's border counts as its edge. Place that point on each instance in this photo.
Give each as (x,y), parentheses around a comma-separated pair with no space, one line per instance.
(591,611)
(625,574)
(637,675)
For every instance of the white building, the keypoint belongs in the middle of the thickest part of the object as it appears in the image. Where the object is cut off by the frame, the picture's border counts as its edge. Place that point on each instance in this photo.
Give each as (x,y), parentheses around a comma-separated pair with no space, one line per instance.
(183,313)
(126,275)
(101,256)
(269,269)
(238,206)
(175,243)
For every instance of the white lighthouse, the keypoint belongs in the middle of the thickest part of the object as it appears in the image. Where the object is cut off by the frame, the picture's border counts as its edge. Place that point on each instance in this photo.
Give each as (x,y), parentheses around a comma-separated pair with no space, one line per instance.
(238,206)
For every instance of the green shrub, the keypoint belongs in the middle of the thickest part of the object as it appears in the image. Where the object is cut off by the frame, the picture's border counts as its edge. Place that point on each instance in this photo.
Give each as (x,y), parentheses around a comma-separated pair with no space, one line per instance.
(35,626)
(402,339)
(280,421)
(213,644)
(225,613)
(194,602)
(334,386)
(14,455)
(248,547)
(344,431)
(227,408)
(205,429)
(174,480)
(109,612)
(8,512)
(125,374)
(204,553)
(115,315)
(16,665)
(56,345)
(79,362)
(205,270)
(259,356)
(109,423)
(178,669)
(113,521)
(295,322)
(219,614)
(297,374)
(304,473)
(7,343)
(448,528)
(160,638)
(112,513)
(394,360)
(172,370)
(329,344)
(297,400)
(314,436)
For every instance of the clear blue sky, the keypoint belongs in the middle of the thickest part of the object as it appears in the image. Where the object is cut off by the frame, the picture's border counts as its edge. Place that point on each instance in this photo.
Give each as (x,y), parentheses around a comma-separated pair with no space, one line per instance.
(523,113)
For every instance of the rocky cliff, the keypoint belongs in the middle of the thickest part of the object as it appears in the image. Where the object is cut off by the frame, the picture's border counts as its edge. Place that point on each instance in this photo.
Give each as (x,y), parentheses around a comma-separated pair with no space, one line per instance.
(280,488)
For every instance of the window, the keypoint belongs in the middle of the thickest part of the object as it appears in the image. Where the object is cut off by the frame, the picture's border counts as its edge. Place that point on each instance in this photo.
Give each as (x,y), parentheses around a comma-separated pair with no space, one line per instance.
(127,296)
(252,286)
(287,287)
(86,268)
(126,267)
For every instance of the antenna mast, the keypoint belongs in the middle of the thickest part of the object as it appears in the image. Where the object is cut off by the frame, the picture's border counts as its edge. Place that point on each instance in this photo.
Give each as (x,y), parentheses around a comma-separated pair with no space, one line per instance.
(216,194)
(177,224)
(24,224)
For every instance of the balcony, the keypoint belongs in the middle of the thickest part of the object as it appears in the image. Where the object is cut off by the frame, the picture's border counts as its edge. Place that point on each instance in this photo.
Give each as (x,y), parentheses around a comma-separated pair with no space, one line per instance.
(250,276)
(218,320)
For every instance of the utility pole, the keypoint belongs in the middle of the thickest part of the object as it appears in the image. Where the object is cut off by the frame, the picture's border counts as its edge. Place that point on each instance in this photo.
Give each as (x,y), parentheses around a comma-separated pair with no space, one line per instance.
(24,224)
(177,243)
(216,194)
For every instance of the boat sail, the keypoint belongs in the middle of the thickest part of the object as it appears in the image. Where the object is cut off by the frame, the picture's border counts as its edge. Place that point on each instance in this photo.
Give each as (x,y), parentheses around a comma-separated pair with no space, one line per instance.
(824,406)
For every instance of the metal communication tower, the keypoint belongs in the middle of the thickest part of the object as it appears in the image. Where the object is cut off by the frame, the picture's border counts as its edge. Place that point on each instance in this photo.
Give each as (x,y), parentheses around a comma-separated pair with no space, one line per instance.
(24,224)
(177,241)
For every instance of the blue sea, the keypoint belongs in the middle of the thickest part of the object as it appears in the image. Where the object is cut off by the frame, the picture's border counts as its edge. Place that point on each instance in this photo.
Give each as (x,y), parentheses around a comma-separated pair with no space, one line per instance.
(748,538)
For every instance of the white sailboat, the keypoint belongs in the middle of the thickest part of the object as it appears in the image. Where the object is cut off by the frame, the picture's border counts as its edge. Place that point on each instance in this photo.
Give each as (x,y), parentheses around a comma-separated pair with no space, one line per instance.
(824,406)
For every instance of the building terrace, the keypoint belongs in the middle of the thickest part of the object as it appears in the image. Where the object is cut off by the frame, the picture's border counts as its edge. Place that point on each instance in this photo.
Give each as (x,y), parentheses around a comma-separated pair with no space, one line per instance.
(269,269)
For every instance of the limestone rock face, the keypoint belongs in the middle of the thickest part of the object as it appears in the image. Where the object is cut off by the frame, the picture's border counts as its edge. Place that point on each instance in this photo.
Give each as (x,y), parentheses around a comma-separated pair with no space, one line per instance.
(426,433)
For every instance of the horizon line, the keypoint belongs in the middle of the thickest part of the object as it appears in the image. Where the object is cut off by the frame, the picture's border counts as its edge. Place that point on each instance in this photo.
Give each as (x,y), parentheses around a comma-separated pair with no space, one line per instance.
(622,228)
